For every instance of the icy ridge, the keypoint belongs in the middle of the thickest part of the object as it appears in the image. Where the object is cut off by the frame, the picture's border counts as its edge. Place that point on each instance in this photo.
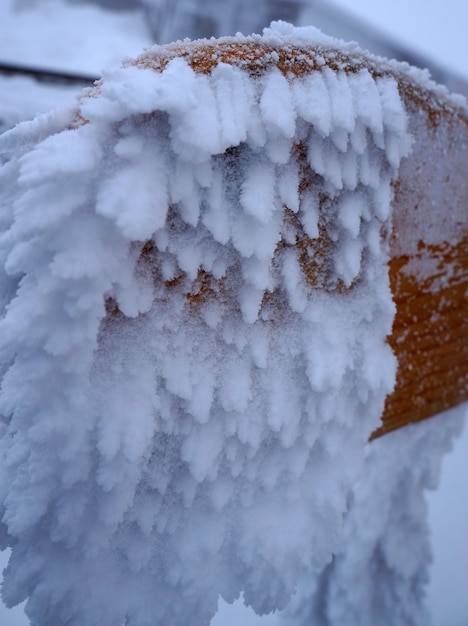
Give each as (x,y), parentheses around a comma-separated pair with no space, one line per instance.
(202,436)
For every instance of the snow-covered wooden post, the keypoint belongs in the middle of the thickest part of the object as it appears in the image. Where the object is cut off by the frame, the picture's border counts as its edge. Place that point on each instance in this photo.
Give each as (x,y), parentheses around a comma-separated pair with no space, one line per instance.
(429,227)
(200,271)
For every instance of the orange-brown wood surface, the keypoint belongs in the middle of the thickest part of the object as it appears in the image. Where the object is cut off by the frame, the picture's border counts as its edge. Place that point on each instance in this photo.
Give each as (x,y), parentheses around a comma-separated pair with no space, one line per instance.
(429,244)
(429,268)
(430,338)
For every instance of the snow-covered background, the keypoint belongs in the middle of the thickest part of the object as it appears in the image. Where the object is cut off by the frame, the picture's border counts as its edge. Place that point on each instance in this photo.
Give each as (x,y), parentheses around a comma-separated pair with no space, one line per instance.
(85,38)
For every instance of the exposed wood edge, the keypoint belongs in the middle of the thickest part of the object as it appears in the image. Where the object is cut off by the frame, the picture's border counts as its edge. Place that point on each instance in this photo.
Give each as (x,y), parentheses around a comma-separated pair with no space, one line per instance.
(430,340)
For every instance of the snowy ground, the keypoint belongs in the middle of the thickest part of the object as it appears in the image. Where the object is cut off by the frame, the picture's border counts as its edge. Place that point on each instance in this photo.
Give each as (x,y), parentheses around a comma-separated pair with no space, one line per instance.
(439,32)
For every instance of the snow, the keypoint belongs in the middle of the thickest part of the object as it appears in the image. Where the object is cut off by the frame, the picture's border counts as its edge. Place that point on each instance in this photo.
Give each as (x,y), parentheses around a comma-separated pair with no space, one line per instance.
(388,512)
(387,515)
(191,431)
(200,403)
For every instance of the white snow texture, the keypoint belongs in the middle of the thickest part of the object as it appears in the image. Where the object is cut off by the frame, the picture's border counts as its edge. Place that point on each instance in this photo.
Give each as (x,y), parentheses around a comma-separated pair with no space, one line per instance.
(380,576)
(184,413)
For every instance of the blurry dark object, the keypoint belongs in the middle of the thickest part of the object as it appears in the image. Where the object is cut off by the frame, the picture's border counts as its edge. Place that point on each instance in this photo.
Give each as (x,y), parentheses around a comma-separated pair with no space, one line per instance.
(45,75)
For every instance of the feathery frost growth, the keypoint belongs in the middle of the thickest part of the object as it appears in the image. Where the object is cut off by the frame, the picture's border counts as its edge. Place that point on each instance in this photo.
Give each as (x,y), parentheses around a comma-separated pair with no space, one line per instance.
(380,575)
(188,379)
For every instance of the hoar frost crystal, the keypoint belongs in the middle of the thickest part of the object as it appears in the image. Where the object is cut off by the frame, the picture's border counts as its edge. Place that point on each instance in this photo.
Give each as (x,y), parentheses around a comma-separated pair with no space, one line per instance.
(187,387)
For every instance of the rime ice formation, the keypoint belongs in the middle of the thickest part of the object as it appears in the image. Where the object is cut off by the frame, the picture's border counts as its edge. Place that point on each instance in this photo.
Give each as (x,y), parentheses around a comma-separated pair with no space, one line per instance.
(184,411)
(380,576)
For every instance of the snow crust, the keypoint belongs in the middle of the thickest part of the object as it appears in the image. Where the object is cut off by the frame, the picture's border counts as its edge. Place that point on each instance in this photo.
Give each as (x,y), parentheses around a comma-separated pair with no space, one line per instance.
(184,411)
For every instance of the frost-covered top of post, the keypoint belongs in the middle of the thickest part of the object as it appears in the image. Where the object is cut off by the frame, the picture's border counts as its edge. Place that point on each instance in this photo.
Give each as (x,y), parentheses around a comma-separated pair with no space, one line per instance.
(195,302)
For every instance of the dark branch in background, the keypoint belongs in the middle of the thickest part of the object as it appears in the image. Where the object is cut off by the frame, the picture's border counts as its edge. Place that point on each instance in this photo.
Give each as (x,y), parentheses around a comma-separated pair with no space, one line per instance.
(46,76)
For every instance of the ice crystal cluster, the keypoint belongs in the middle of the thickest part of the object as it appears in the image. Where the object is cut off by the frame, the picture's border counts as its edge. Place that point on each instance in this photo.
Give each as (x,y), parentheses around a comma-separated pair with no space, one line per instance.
(381,573)
(188,378)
